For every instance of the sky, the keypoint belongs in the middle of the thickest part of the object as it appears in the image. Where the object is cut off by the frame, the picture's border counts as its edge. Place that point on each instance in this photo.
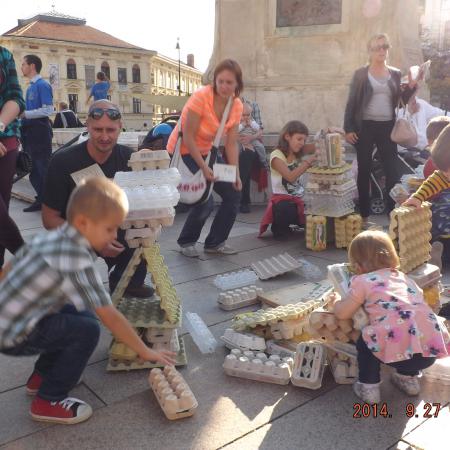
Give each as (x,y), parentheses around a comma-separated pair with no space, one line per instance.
(151,24)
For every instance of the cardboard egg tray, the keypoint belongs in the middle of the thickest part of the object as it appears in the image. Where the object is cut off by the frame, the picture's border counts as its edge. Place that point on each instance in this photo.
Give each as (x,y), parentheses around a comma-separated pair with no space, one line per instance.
(243,341)
(332,189)
(258,367)
(330,170)
(147,313)
(346,228)
(289,329)
(140,221)
(340,275)
(277,265)
(329,149)
(316,175)
(142,237)
(410,232)
(271,316)
(316,233)
(172,392)
(425,275)
(309,365)
(343,365)
(149,159)
(324,324)
(238,298)
(282,348)
(122,364)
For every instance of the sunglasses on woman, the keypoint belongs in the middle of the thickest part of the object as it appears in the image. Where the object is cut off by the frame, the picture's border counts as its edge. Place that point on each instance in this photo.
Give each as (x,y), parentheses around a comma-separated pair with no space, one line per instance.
(381,47)
(98,113)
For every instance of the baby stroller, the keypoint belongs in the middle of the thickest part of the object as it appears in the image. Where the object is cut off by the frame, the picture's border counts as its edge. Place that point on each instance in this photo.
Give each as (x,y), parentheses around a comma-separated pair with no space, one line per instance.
(378,193)
(158,136)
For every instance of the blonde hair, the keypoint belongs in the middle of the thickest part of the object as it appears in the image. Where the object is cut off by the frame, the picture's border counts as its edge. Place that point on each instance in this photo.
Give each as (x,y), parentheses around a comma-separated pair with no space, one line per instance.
(440,151)
(376,37)
(97,198)
(373,250)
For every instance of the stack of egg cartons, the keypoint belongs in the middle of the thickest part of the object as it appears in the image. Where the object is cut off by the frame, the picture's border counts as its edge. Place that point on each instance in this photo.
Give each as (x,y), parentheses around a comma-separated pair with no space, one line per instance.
(151,189)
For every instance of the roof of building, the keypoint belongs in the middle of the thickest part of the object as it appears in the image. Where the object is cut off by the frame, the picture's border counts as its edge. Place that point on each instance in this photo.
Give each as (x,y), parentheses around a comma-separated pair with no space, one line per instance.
(60,27)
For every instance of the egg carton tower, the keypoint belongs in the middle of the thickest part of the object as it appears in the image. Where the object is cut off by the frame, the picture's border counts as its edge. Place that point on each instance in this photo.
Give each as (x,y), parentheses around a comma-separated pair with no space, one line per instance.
(151,189)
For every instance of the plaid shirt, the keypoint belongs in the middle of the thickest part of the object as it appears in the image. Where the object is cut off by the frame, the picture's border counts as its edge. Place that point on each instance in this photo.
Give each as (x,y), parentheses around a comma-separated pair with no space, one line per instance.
(57,267)
(10,90)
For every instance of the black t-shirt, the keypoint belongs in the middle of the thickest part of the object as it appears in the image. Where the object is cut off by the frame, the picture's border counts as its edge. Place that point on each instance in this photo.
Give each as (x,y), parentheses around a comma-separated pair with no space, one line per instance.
(58,182)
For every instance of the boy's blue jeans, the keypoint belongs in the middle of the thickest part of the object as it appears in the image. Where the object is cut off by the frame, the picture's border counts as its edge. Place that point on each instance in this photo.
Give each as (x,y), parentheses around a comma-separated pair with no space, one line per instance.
(222,223)
(65,342)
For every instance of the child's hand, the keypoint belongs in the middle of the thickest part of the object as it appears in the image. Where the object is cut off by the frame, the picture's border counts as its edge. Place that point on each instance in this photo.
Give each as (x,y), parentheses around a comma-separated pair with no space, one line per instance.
(412,201)
(332,298)
(165,357)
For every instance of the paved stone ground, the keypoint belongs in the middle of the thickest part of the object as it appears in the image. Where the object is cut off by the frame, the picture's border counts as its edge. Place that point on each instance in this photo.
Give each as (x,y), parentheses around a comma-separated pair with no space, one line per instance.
(233,413)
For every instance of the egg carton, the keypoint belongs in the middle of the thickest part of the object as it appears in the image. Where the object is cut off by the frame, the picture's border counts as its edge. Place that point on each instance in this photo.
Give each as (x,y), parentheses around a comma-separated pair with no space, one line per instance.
(147,313)
(329,205)
(142,200)
(238,298)
(439,372)
(316,232)
(325,325)
(243,341)
(121,364)
(200,333)
(162,339)
(271,316)
(346,228)
(333,189)
(149,218)
(316,175)
(340,275)
(233,280)
(142,237)
(132,179)
(409,230)
(425,275)
(289,328)
(275,266)
(282,348)
(258,367)
(329,149)
(309,365)
(335,171)
(149,159)
(344,366)
(173,393)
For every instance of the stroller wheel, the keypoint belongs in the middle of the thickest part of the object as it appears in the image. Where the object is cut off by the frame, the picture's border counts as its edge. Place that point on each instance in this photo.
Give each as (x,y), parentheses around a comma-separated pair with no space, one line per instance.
(377,206)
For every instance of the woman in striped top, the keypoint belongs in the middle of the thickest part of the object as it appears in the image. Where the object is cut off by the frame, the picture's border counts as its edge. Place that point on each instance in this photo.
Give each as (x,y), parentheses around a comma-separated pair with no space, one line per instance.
(200,120)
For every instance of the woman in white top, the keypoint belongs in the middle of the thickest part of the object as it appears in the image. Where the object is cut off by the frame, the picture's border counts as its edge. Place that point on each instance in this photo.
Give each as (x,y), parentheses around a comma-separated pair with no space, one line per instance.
(370,116)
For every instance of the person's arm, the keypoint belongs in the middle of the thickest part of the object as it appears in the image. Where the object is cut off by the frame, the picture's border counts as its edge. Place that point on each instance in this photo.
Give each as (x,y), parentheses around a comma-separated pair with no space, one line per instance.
(434,184)
(349,120)
(291,175)
(119,326)
(43,111)
(348,305)
(232,153)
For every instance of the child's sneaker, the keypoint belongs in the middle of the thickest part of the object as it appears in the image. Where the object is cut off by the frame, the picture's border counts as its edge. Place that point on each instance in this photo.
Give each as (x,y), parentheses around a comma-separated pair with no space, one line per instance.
(68,411)
(34,383)
(368,393)
(409,385)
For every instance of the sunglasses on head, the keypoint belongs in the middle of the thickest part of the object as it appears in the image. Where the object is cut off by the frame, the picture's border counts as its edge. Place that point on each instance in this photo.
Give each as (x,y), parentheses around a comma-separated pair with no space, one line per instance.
(381,47)
(98,113)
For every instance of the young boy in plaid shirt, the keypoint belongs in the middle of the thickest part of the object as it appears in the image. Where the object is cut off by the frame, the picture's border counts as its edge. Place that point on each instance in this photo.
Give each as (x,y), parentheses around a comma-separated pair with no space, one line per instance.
(46,296)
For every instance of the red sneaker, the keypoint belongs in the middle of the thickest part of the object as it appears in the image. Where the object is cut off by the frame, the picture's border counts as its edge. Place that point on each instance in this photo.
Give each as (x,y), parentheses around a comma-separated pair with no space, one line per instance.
(68,411)
(34,383)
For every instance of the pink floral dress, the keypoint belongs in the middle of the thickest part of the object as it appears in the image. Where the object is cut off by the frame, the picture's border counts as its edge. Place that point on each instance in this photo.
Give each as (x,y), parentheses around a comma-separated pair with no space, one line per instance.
(401,323)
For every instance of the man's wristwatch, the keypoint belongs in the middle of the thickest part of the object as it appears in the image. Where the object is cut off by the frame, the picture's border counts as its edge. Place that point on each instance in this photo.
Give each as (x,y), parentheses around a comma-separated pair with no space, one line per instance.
(2,127)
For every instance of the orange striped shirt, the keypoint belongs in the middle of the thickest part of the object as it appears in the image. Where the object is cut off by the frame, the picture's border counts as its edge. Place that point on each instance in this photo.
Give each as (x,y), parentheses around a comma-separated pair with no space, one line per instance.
(201,103)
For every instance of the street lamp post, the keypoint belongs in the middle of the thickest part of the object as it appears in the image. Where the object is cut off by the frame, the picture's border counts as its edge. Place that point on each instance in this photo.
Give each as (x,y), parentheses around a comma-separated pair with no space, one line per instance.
(179,66)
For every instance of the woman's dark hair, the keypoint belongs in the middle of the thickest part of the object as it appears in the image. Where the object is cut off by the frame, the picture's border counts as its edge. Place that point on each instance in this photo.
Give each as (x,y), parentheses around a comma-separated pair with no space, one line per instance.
(291,128)
(101,76)
(33,59)
(232,66)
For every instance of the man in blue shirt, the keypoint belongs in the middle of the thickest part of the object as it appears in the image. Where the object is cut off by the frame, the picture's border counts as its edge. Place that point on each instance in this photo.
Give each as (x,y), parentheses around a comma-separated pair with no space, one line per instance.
(36,126)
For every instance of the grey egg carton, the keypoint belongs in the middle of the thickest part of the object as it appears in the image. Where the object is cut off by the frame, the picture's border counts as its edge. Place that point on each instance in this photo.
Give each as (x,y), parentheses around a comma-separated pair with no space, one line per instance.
(309,365)
(277,265)
(149,159)
(238,298)
(258,367)
(243,341)
(282,348)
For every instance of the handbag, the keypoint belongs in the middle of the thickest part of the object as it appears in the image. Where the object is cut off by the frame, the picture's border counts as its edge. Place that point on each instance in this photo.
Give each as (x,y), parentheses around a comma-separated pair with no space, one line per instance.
(404,132)
(194,189)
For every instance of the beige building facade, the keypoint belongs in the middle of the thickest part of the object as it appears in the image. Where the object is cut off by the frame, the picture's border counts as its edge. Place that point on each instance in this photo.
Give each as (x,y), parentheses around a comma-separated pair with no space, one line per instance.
(143,83)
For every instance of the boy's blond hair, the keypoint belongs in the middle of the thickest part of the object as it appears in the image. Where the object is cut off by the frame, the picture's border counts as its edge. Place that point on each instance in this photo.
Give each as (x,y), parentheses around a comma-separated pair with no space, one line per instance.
(373,250)
(97,198)
(440,151)
(435,126)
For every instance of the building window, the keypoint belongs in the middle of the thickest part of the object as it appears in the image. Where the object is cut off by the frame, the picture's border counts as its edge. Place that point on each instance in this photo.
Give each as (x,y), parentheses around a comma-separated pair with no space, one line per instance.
(136,105)
(136,73)
(89,75)
(105,69)
(122,75)
(152,78)
(73,102)
(71,69)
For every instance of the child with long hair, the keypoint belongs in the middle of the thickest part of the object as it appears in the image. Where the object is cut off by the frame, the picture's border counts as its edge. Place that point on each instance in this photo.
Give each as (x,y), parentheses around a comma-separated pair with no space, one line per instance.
(403,331)
(287,165)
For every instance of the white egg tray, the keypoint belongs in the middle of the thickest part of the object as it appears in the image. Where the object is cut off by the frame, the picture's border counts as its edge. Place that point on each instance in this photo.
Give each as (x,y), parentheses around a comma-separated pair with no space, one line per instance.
(148,177)
(258,367)
(439,372)
(425,275)
(238,298)
(149,159)
(142,200)
(340,275)
(162,339)
(172,392)
(343,365)
(243,341)
(233,280)
(142,237)
(282,348)
(277,265)
(200,333)
(309,365)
